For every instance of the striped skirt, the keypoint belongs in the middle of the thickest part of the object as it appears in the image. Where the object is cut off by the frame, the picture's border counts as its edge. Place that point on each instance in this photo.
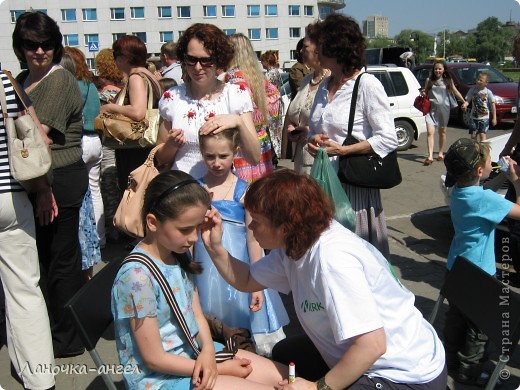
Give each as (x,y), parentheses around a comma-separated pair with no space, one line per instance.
(249,172)
(370,218)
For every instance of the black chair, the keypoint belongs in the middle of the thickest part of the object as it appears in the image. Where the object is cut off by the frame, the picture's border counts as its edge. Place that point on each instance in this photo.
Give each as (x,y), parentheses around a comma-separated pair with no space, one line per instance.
(491,305)
(90,310)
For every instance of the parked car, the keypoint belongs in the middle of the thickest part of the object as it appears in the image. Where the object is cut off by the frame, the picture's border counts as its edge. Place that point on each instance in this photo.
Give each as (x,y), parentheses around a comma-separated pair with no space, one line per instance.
(464,75)
(402,88)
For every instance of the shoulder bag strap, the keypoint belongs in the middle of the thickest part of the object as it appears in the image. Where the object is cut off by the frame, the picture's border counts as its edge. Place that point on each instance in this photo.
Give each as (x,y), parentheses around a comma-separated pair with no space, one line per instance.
(168,293)
(353,105)
(8,121)
(14,83)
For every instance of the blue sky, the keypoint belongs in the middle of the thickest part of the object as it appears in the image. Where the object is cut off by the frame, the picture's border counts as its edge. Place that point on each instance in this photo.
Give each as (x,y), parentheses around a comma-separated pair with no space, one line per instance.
(435,15)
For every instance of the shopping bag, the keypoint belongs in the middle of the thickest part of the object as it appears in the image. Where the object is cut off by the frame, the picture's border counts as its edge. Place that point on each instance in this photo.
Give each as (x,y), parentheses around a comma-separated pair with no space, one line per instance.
(323,172)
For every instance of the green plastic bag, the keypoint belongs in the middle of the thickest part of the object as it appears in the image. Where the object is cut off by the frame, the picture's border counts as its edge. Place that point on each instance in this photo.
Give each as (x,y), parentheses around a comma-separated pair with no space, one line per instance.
(323,172)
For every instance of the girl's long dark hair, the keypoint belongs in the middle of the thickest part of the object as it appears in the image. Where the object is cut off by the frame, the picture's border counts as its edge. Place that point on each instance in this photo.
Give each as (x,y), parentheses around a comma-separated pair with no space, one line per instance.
(172,205)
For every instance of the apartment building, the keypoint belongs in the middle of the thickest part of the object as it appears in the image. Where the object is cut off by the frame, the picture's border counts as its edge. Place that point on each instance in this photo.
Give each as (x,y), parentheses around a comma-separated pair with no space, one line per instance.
(95,24)
(375,27)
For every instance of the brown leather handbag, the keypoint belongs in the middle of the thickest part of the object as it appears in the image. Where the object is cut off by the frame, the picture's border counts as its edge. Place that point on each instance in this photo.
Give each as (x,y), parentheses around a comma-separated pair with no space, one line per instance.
(128,214)
(125,131)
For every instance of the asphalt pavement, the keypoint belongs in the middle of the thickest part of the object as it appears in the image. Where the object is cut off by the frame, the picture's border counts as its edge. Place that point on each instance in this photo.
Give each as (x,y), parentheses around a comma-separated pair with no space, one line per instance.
(420,233)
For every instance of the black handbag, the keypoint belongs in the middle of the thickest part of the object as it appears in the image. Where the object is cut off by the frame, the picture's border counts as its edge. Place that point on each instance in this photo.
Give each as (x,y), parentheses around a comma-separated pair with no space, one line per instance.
(230,348)
(367,170)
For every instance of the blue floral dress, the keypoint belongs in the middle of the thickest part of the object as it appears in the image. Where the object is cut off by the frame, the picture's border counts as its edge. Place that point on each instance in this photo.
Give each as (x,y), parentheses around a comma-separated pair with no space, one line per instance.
(136,294)
(88,236)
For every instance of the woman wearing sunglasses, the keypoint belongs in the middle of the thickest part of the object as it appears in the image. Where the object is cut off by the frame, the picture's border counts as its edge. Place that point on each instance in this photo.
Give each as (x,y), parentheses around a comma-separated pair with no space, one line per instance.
(203,104)
(57,101)
(130,56)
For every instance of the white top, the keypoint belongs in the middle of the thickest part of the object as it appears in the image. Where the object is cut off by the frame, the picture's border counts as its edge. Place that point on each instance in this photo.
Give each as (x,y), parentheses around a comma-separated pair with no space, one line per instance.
(189,114)
(373,119)
(343,287)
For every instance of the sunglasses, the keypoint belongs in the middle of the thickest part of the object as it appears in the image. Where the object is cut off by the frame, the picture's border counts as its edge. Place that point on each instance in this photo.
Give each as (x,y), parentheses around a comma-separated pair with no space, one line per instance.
(205,62)
(30,45)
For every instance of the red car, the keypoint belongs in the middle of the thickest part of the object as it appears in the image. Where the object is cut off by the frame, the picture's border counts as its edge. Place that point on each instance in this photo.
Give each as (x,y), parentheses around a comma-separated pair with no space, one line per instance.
(464,75)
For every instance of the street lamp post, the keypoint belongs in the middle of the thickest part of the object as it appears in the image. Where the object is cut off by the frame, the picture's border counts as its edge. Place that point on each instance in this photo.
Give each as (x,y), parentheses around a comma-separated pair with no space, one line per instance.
(414,37)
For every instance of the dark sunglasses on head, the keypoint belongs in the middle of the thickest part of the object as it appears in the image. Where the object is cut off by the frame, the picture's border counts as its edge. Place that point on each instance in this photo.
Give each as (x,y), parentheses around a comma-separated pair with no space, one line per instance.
(28,44)
(206,62)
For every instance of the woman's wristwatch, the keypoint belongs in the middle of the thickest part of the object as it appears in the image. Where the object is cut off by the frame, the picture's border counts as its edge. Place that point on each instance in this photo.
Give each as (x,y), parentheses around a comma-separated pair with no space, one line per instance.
(321,385)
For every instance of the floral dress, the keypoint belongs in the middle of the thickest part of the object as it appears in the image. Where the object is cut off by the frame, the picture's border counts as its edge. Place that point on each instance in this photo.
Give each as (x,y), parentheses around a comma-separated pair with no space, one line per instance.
(189,114)
(243,169)
(136,294)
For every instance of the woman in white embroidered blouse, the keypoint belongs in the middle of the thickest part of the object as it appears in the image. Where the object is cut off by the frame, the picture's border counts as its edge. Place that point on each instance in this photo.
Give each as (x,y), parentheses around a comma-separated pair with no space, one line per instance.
(341,49)
(203,104)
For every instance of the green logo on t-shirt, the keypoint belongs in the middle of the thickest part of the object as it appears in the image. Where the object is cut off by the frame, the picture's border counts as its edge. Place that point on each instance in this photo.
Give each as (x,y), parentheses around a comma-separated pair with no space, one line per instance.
(311,306)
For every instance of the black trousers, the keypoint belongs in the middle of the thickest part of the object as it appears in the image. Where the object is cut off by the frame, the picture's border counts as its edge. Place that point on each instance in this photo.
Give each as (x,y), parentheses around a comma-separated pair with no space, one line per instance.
(60,254)
(310,365)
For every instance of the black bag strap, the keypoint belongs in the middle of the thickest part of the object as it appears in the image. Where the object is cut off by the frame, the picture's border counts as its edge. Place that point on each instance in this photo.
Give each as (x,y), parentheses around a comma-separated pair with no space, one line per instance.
(168,293)
(353,105)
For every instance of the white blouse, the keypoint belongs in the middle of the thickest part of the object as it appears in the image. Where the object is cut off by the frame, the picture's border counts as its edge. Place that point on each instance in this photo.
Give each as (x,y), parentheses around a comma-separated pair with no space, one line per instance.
(189,114)
(373,119)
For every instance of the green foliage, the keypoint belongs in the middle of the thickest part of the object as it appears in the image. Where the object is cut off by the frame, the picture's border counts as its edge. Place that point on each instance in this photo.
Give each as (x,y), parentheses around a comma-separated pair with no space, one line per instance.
(379,42)
(489,42)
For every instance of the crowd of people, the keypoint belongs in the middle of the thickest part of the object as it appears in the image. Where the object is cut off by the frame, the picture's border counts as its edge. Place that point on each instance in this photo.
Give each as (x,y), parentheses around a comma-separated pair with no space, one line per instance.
(228,230)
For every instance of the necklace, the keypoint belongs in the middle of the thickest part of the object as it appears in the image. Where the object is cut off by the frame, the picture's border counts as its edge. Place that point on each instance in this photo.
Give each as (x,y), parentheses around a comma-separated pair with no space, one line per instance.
(229,188)
(320,79)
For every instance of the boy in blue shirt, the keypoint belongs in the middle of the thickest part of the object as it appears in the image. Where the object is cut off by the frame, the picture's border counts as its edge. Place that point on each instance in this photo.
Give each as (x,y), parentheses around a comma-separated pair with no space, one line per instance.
(483,109)
(475,212)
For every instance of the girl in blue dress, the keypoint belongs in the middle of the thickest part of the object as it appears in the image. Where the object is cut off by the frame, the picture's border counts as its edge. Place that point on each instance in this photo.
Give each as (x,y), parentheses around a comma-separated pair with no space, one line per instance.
(262,312)
(152,348)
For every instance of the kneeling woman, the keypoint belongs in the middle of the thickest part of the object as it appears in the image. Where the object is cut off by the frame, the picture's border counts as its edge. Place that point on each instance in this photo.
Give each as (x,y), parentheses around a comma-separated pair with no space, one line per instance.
(361,326)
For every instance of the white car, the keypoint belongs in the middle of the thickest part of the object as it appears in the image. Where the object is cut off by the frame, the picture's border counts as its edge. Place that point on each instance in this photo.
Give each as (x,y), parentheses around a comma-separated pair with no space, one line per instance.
(402,88)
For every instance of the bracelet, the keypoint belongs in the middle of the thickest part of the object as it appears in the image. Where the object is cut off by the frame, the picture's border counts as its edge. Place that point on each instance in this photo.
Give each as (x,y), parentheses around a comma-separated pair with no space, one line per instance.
(322,385)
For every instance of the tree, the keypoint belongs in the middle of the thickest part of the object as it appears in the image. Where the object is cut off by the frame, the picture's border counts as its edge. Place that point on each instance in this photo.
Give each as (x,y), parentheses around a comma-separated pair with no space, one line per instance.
(379,42)
(493,41)
(416,40)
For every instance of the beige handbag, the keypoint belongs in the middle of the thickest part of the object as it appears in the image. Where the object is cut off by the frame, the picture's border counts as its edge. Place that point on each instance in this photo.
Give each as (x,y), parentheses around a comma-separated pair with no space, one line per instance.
(128,214)
(29,156)
(119,131)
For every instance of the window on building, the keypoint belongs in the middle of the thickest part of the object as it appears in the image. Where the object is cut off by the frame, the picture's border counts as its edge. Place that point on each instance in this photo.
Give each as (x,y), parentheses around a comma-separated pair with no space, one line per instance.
(230,31)
(294,10)
(91,38)
(165,36)
(15,14)
(41,10)
(184,12)
(68,15)
(140,35)
(116,36)
(91,63)
(271,33)
(295,32)
(228,11)
(180,33)
(210,11)
(308,10)
(325,11)
(293,54)
(137,12)
(117,14)
(71,39)
(89,14)
(253,10)
(253,34)
(271,10)
(164,12)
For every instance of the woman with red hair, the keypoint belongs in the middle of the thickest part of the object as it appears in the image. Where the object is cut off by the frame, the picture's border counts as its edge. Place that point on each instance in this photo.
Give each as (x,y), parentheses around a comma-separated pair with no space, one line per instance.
(130,56)
(362,329)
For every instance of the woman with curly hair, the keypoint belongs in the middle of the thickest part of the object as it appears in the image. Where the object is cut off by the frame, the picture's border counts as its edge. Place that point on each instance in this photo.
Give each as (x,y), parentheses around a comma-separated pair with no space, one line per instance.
(341,49)
(245,72)
(109,74)
(204,104)
(362,330)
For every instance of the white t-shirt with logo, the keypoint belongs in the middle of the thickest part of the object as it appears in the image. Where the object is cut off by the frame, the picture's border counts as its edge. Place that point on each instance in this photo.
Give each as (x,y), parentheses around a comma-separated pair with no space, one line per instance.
(343,287)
